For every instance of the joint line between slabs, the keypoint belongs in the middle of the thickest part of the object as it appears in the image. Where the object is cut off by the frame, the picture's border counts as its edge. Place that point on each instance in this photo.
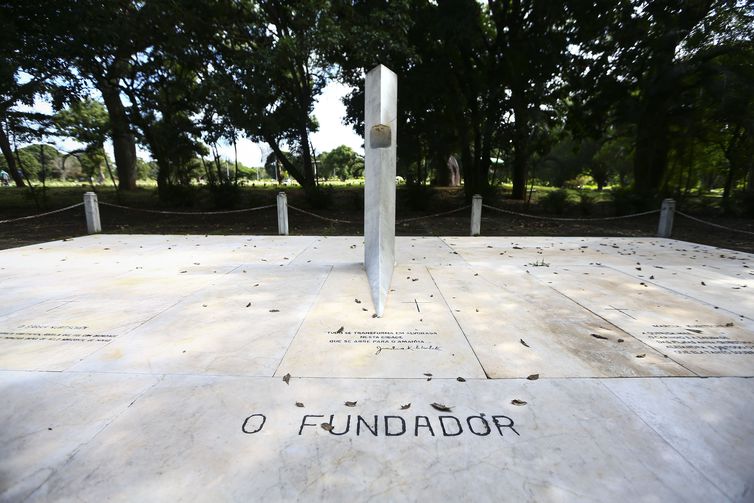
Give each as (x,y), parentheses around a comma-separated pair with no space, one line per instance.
(457,322)
(655,350)
(454,252)
(298,330)
(630,275)
(665,440)
(315,241)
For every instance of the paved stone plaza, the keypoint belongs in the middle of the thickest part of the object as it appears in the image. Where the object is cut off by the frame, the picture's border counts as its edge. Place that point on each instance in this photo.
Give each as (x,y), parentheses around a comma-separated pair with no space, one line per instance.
(184,368)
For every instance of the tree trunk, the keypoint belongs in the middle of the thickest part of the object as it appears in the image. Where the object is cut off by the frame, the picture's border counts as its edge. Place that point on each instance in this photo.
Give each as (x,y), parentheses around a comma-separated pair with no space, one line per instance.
(280,156)
(124,143)
(520,152)
(651,158)
(306,158)
(10,159)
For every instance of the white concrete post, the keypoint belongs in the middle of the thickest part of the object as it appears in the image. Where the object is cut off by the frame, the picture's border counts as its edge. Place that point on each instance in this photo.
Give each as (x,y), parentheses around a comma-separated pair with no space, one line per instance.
(380,128)
(282,214)
(476,215)
(91,210)
(667,211)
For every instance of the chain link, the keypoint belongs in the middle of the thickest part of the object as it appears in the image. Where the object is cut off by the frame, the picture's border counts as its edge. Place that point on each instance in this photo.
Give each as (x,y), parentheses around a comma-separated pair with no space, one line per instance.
(558,219)
(161,212)
(406,220)
(337,221)
(42,214)
(711,224)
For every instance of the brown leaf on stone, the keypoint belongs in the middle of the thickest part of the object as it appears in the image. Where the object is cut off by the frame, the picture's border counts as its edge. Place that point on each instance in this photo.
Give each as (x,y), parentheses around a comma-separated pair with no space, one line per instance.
(598,336)
(460,379)
(299,404)
(524,343)
(533,377)
(518,402)
(641,355)
(350,404)
(441,407)
(286,378)
(404,407)
(326,426)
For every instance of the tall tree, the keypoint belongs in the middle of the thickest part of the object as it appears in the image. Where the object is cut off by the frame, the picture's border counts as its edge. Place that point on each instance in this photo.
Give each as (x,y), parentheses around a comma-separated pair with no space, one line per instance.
(271,66)
(639,65)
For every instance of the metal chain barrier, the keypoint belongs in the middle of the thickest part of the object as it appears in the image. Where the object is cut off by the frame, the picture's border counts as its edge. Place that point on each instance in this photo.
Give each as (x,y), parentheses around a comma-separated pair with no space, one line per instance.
(160,212)
(711,224)
(406,220)
(337,221)
(558,219)
(42,214)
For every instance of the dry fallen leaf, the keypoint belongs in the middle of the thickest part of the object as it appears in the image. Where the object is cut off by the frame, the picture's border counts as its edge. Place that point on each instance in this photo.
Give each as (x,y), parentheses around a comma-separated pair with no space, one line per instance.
(350,404)
(441,407)
(286,378)
(516,401)
(524,343)
(533,377)
(598,336)
(326,426)
(404,407)
(299,404)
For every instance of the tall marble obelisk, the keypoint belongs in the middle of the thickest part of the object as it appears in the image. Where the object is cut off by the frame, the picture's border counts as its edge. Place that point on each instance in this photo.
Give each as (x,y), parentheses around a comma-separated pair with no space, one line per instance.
(380,122)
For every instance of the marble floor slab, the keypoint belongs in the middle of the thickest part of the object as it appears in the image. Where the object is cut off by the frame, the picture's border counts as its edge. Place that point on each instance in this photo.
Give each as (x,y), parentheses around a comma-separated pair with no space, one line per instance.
(732,292)
(708,341)
(237,368)
(501,312)
(207,438)
(417,337)
(240,325)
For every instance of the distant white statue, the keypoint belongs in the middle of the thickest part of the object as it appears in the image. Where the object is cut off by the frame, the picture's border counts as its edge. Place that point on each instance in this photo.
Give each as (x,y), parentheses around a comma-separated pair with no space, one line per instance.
(455,171)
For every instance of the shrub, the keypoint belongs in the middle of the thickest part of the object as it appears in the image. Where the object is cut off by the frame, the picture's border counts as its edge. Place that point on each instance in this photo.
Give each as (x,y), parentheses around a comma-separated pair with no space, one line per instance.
(625,201)
(555,202)
(319,198)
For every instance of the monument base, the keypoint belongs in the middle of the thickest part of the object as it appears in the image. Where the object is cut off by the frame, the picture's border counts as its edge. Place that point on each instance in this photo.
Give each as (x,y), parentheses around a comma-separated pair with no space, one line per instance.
(239,367)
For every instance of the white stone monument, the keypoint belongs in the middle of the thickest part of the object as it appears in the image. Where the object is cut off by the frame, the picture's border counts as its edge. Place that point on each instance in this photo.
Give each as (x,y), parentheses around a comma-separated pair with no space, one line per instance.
(380,123)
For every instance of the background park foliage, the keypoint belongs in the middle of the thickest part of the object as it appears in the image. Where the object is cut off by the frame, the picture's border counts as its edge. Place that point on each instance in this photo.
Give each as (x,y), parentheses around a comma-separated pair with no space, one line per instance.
(650,99)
